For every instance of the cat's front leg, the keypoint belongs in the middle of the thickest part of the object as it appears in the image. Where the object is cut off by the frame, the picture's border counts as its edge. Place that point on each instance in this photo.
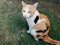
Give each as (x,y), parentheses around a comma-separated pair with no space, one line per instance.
(28,31)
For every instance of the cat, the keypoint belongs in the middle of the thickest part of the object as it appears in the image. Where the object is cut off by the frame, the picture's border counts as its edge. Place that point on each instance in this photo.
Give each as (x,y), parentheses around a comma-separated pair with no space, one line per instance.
(39,24)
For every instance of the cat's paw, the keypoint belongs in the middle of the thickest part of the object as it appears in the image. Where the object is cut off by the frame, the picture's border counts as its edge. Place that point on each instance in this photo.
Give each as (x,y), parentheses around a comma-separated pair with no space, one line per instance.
(36,39)
(28,31)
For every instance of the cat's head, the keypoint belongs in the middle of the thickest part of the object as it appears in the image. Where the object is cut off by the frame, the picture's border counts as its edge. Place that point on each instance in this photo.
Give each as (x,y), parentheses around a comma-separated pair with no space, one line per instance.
(28,10)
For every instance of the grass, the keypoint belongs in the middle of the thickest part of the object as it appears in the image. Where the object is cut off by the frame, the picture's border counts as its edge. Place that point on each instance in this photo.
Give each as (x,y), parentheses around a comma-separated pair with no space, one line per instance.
(13,26)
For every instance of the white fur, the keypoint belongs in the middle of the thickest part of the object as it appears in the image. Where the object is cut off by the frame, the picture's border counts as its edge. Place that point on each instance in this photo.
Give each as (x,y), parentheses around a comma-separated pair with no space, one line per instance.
(33,32)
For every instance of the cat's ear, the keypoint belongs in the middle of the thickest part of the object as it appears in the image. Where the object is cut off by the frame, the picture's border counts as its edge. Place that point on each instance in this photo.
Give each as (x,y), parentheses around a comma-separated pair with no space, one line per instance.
(35,5)
(23,3)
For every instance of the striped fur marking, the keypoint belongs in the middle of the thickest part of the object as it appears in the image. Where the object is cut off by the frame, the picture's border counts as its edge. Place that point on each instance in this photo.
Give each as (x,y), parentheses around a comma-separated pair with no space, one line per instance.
(39,31)
(40,39)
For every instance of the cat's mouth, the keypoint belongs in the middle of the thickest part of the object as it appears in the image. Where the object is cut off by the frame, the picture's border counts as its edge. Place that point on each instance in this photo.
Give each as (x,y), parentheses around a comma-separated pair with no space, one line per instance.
(26,16)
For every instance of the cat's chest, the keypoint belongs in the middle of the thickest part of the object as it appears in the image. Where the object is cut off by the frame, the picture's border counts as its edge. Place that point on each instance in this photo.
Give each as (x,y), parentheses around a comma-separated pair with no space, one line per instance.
(31,22)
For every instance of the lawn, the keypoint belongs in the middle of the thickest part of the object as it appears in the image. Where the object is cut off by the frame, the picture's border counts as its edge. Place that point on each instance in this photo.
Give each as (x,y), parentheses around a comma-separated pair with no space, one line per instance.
(13,26)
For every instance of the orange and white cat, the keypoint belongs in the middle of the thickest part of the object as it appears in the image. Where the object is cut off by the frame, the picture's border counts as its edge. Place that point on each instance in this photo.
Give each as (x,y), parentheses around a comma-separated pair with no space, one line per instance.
(39,24)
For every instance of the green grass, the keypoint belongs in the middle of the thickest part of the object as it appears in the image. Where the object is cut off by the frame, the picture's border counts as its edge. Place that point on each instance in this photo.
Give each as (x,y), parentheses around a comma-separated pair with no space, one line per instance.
(13,26)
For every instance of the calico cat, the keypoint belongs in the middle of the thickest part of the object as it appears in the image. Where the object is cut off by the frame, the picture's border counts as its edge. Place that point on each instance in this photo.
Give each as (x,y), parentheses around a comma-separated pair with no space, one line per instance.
(39,24)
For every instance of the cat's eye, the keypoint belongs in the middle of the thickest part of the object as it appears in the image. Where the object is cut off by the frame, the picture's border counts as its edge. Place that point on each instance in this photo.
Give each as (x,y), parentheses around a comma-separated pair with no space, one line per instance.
(23,10)
(29,11)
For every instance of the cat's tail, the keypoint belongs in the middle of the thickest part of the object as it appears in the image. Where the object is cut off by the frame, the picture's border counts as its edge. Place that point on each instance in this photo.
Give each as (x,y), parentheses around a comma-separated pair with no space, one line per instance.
(49,40)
